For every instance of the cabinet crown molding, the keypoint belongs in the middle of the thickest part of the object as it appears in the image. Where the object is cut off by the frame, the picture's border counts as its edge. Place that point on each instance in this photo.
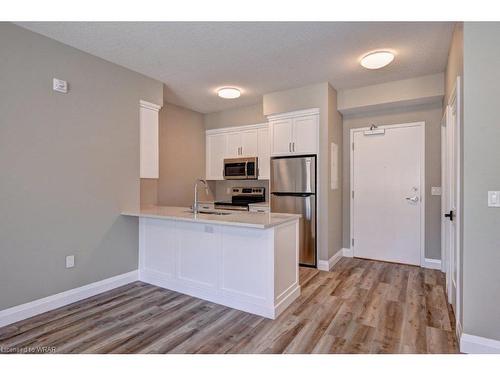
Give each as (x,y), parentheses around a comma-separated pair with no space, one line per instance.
(232,129)
(304,112)
(148,105)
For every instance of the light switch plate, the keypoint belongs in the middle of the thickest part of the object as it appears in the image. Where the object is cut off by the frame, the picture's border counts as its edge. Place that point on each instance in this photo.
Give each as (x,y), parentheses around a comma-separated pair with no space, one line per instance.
(493,198)
(59,85)
(436,190)
(70,261)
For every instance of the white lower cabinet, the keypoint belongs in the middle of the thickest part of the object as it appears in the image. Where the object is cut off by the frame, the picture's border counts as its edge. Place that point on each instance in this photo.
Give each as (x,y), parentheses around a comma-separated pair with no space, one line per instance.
(250,269)
(235,142)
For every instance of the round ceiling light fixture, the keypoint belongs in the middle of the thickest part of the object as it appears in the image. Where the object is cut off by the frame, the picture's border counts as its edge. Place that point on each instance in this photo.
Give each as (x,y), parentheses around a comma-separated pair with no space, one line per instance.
(377,59)
(229,93)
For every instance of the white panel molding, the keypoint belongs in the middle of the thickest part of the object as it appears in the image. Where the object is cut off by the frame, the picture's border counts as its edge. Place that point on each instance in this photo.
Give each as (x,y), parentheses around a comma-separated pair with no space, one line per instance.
(233,129)
(305,112)
(326,265)
(478,345)
(148,105)
(434,264)
(347,252)
(39,306)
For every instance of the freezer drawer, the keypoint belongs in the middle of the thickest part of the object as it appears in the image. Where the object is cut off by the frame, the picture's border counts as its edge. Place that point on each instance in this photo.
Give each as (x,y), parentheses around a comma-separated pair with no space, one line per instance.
(293,175)
(305,205)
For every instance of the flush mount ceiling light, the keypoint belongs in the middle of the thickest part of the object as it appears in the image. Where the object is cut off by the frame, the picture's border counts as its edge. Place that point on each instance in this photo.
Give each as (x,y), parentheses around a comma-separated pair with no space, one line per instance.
(229,93)
(377,60)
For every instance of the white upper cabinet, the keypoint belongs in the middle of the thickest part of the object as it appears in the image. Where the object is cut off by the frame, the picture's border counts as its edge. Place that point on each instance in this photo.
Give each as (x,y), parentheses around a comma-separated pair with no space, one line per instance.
(242,143)
(305,135)
(281,135)
(294,133)
(216,145)
(233,145)
(264,153)
(149,148)
(236,142)
(249,143)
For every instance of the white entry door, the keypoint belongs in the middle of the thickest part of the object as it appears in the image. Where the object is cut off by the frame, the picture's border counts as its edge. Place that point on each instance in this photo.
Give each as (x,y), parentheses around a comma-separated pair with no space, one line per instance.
(387,177)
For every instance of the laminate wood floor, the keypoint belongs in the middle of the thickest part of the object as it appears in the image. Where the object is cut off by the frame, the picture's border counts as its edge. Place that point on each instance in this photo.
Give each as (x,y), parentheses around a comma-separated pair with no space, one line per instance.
(362,306)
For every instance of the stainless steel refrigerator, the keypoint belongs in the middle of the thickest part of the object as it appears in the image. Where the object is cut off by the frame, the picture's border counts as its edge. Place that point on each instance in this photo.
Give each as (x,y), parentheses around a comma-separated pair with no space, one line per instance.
(293,190)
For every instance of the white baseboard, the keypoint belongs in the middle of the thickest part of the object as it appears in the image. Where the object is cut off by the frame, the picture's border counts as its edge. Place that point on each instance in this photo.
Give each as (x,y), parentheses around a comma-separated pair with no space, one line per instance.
(348,252)
(39,306)
(478,345)
(434,264)
(326,265)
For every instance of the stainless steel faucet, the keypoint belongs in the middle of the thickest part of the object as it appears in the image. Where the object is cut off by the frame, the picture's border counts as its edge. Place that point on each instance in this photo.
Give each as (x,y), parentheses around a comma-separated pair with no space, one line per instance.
(195,204)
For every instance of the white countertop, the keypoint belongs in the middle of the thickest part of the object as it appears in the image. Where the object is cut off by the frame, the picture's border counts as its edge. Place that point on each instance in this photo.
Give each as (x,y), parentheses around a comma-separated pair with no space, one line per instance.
(234,218)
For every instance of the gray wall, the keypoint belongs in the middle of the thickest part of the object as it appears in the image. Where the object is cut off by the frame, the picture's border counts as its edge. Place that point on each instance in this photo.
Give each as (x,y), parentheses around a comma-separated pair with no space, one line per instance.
(235,117)
(481,155)
(69,163)
(182,155)
(432,117)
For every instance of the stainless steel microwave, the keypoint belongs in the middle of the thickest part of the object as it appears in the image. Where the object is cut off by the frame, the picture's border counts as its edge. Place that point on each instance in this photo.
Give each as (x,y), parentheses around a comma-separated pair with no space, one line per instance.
(241,169)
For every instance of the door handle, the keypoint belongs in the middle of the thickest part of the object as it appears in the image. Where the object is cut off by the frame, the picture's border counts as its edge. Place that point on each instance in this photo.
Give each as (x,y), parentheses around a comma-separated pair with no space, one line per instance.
(289,146)
(293,146)
(449,215)
(412,199)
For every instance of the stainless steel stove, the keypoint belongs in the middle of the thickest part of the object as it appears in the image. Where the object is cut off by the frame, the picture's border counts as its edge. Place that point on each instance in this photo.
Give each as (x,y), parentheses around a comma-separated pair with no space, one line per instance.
(241,197)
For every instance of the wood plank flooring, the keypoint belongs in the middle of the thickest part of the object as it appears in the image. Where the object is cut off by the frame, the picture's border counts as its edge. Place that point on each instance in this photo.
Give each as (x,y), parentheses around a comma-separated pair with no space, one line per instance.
(362,306)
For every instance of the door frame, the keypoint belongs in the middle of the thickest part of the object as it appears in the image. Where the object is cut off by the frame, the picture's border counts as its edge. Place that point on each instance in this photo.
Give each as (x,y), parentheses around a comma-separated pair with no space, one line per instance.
(455,97)
(421,125)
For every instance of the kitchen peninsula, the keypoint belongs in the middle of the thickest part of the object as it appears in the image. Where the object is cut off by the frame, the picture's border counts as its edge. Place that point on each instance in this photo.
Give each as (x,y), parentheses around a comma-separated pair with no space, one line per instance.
(247,261)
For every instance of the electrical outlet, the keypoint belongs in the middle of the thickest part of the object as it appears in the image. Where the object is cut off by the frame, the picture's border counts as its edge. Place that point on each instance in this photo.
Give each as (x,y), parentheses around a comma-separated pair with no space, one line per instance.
(436,190)
(70,261)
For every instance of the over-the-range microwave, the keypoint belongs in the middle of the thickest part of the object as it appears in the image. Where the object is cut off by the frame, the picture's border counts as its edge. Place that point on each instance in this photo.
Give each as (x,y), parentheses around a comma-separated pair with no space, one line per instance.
(241,169)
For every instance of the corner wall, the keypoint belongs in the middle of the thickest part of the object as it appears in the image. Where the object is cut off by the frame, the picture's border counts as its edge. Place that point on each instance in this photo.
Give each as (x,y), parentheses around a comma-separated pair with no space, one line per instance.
(481,161)
(69,164)
(182,155)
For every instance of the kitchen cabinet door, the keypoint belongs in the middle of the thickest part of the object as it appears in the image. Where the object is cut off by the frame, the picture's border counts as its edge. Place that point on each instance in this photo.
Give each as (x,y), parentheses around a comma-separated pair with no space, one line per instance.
(216,152)
(233,145)
(305,132)
(264,153)
(281,137)
(249,143)
(148,142)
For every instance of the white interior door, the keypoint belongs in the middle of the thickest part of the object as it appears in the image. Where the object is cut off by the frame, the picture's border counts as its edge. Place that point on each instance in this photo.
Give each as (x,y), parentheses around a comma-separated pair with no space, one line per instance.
(387,199)
(451,200)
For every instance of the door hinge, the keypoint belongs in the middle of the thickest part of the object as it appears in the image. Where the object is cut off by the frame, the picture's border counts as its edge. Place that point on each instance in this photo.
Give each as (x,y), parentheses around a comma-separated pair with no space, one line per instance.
(352,242)
(353,146)
(353,194)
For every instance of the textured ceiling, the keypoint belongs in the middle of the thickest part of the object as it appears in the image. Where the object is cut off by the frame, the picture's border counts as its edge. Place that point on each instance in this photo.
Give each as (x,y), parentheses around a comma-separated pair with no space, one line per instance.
(194,59)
